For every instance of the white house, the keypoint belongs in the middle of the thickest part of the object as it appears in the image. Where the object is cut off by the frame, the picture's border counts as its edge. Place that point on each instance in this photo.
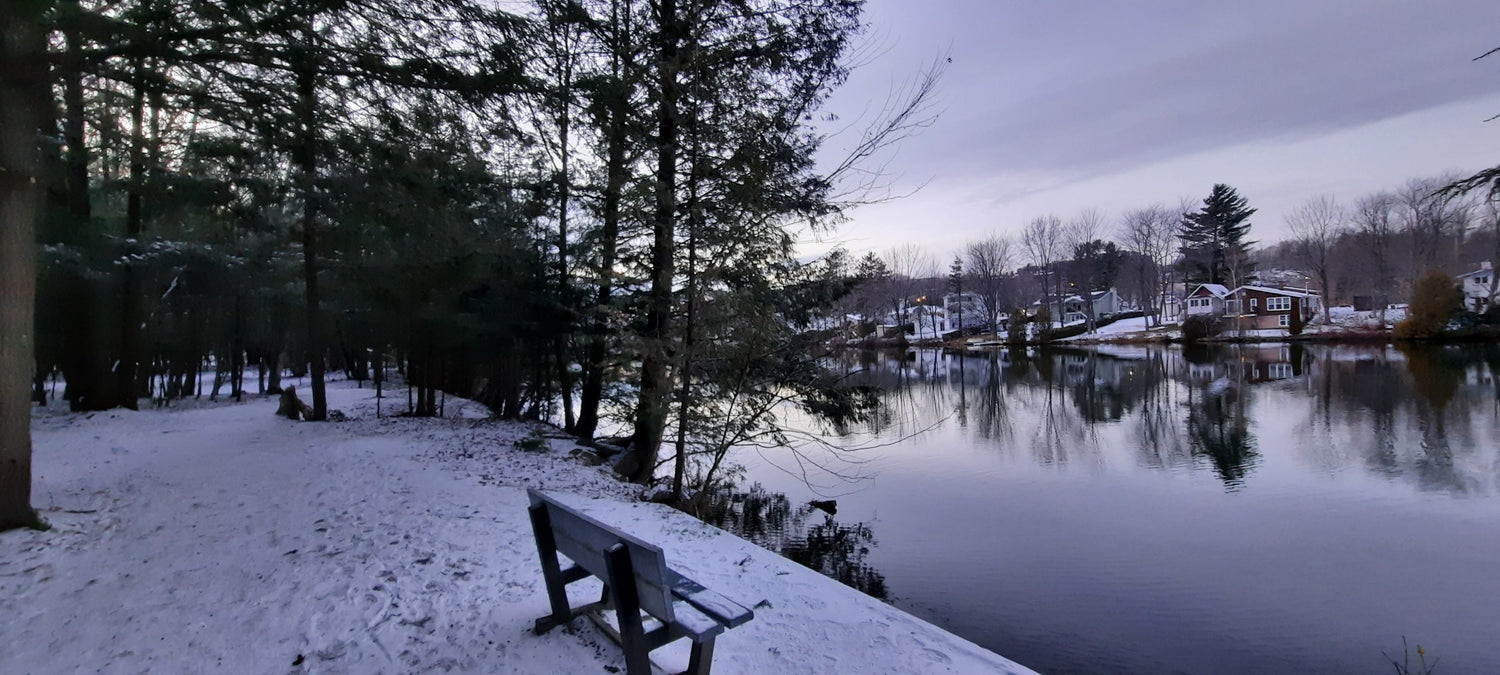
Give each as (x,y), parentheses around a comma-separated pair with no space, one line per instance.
(1477,286)
(967,307)
(1207,299)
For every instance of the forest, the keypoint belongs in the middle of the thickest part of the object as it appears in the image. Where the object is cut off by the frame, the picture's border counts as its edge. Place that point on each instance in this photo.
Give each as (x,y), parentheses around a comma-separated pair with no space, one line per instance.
(572,210)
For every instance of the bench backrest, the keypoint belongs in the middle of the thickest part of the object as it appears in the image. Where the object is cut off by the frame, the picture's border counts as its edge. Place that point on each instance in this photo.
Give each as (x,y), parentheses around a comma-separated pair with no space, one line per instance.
(584,541)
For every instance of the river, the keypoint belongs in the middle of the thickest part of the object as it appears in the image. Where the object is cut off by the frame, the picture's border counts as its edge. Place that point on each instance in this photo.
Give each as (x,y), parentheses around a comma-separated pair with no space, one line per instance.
(1256,509)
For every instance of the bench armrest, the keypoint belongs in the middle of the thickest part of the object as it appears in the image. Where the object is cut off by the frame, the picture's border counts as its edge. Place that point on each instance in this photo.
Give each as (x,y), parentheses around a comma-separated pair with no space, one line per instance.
(715,605)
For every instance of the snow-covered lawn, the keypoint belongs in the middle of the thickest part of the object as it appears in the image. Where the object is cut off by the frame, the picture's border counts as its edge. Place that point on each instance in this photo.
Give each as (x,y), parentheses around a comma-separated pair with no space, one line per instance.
(221,539)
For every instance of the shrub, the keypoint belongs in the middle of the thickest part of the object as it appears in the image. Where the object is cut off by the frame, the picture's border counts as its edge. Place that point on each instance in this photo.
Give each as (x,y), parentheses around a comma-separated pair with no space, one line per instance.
(1434,300)
(1017,326)
(1295,323)
(1200,326)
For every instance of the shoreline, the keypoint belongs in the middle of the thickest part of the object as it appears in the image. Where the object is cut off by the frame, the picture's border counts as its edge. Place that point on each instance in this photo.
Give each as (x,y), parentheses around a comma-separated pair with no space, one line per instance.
(375,545)
(1466,336)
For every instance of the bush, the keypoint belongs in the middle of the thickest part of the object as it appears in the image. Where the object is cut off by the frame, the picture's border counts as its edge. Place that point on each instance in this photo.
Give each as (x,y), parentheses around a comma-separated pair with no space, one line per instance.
(1295,323)
(1200,326)
(1434,300)
(1017,326)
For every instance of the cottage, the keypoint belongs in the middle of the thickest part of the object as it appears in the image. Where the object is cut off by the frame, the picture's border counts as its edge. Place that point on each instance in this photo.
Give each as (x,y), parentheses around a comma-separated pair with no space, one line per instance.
(965,311)
(1477,286)
(1106,303)
(1257,307)
(1206,299)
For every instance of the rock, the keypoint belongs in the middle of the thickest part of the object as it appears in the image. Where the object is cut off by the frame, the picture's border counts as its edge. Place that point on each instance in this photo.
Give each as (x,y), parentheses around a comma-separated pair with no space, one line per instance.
(292,407)
(829,506)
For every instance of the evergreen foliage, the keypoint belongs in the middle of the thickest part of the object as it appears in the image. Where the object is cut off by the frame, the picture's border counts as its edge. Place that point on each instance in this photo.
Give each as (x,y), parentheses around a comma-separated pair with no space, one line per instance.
(537,206)
(1434,300)
(1212,239)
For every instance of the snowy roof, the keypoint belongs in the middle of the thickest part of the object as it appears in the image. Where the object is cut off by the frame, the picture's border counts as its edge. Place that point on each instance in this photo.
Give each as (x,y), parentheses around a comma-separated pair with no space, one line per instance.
(1217,289)
(1275,291)
(1481,270)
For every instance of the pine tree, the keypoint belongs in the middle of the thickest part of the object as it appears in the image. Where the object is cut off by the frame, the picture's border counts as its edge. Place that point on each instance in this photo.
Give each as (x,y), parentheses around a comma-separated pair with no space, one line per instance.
(956,287)
(23,91)
(1213,245)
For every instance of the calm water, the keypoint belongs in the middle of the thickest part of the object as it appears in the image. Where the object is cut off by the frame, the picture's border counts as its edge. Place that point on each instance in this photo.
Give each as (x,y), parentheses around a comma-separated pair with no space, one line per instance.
(1270,509)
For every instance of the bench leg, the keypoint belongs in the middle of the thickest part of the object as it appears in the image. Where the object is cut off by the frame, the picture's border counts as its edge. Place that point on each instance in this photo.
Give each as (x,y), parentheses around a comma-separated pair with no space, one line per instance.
(627,610)
(701,658)
(557,591)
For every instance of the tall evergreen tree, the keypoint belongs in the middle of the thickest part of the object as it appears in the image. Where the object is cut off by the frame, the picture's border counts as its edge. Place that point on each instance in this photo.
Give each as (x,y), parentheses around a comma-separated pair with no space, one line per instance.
(23,96)
(1213,245)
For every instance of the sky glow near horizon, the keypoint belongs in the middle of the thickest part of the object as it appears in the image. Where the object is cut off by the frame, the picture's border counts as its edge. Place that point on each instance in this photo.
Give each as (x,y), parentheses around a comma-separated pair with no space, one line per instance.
(1059,107)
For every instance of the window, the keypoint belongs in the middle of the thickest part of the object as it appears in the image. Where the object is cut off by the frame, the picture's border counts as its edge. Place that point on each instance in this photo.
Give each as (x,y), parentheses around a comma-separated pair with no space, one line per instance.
(1278,305)
(1283,320)
(1279,371)
(1252,303)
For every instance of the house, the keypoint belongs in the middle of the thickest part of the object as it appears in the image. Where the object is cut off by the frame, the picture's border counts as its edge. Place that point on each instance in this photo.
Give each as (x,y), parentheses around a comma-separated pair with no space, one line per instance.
(1105,303)
(1258,307)
(1074,310)
(1206,299)
(1476,286)
(967,308)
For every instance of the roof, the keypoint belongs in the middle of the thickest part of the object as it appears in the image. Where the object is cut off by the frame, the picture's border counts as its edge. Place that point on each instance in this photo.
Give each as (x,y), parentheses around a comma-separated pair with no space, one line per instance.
(1275,291)
(1218,290)
(1481,270)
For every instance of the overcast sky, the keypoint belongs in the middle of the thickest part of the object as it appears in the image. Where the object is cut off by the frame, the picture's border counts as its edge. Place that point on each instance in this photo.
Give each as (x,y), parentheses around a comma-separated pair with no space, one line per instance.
(1058,106)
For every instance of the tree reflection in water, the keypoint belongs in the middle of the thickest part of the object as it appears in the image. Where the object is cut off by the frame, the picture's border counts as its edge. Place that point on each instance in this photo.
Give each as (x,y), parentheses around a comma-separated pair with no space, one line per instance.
(1415,413)
(803,534)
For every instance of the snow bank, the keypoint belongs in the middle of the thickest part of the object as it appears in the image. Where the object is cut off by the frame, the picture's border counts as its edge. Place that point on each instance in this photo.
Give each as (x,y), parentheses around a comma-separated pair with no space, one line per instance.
(224,539)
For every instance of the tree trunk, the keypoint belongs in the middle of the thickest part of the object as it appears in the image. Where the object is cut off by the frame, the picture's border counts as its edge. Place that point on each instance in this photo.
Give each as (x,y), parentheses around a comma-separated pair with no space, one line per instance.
(593,370)
(130,301)
(651,408)
(307,96)
(23,93)
(564,378)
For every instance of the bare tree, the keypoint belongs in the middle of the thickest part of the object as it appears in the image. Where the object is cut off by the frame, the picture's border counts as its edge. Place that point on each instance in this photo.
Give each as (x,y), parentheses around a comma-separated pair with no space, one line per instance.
(1434,220)
(1043,239)
(911,266)
(862,176)
(1374,223)
(989,260)
(1150,233)
(1081,232)
(1316,228)
(1488,214)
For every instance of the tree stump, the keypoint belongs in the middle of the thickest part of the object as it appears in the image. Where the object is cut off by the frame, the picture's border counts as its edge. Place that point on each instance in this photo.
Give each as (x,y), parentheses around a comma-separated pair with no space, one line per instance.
(291,406)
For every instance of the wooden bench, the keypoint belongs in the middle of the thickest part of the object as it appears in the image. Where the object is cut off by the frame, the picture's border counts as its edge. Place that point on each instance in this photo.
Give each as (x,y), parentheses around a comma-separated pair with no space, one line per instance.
(636,579)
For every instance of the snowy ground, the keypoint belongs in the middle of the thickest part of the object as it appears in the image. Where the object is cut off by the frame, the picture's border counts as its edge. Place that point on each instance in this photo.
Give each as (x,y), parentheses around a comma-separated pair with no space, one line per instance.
(223,539)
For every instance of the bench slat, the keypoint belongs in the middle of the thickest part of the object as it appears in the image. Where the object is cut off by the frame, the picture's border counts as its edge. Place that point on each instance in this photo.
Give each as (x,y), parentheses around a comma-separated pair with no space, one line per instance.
(720,608)
(694,624)
(583,540)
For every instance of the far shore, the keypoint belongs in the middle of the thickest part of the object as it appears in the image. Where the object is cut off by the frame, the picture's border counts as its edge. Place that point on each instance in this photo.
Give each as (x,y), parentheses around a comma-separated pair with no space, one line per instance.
(992,342)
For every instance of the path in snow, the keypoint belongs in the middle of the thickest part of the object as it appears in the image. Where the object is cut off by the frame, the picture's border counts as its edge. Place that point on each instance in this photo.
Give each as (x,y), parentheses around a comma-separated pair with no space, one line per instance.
(224,539)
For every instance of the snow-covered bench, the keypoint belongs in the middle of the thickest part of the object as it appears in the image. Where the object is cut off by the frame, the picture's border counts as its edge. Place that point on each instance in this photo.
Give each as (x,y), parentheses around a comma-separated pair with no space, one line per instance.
(636,579)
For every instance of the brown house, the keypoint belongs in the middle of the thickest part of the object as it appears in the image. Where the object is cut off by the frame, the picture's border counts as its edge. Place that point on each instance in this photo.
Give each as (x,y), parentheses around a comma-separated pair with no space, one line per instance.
(1260,307)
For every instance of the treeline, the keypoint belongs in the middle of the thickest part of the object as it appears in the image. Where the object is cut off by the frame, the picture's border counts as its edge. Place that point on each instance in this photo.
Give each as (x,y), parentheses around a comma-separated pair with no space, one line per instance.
(545,206)
(1369,252)
(1377,247)
(1141,254)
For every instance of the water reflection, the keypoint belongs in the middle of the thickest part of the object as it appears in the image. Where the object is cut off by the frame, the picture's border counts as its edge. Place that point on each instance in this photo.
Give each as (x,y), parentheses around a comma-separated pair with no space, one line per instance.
(1225,509)
(803,534)
(1414,413)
